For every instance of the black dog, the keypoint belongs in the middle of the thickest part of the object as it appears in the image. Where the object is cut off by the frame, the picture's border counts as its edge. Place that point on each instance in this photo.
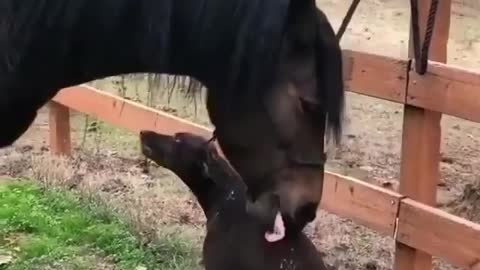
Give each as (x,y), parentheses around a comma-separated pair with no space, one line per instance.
(235,238)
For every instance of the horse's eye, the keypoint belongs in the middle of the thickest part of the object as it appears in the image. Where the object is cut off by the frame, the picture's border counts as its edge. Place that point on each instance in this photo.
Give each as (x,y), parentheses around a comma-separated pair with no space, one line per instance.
(311,109)
(306,106)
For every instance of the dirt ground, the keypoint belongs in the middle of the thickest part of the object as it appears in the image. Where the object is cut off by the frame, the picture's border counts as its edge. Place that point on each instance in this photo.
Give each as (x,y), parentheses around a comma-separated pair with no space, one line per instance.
(110,164)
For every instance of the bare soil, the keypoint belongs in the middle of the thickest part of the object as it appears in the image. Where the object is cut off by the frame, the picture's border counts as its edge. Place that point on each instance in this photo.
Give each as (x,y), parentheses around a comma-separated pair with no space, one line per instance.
(109,164)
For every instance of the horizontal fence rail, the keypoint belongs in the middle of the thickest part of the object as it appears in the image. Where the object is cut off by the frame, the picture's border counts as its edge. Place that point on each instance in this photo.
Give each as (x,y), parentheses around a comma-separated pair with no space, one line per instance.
(444,88)
(375,75)
(451,90)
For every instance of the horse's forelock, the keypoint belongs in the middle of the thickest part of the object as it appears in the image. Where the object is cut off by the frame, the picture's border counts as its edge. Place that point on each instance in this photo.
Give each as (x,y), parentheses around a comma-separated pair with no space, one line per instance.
(330,76)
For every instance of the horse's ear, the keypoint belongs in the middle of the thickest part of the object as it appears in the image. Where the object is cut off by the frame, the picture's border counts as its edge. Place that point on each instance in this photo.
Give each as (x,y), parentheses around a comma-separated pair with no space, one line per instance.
(298,9)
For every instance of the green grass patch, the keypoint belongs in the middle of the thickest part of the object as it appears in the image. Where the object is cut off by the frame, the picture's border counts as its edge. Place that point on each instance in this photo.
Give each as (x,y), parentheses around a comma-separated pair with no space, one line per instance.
(45,229)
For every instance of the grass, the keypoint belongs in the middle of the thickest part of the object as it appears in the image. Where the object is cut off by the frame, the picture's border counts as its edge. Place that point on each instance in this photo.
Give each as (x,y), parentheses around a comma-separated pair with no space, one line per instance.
(52,229)
(103,136)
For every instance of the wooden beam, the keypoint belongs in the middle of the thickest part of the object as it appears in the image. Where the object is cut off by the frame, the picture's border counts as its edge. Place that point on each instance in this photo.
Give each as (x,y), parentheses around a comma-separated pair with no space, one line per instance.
(59,125)
(438,233)
(124,113)
(420,172)
(375,75)
(351,198)
(447,89)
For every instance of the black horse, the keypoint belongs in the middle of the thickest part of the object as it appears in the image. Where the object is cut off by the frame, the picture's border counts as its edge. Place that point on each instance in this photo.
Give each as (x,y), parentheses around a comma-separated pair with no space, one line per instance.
(273,71)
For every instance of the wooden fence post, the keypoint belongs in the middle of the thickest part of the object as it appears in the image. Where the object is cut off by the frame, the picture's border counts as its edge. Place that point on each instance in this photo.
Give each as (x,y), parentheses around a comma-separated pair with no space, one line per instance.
(59,125)
(420,173)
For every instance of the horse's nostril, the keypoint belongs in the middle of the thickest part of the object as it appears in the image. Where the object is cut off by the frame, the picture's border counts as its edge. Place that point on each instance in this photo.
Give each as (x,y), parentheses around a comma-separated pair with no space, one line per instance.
(307,212)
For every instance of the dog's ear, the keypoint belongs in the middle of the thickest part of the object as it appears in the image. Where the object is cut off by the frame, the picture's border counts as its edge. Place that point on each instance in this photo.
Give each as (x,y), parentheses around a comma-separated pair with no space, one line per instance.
(212,152)
(205,170)
(217,168)
(210,161)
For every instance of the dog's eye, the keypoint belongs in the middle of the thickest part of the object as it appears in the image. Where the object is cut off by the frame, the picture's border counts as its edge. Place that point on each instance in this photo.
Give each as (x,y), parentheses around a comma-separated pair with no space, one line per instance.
(312,110)
(205,169)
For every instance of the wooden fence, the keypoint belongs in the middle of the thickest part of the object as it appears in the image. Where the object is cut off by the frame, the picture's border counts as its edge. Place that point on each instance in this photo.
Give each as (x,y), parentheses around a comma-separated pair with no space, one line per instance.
(419,229)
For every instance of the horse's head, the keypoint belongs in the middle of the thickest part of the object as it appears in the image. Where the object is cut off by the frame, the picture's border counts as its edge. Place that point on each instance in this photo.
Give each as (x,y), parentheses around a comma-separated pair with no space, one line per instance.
(277,144)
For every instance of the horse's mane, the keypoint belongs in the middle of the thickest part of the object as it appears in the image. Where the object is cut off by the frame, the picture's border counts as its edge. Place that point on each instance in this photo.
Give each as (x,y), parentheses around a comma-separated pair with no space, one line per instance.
(253,31)
(233,43)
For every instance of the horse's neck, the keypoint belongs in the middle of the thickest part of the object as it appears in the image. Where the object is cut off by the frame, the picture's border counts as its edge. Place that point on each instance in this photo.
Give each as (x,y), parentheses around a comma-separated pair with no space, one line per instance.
(89,39)
(127,36)
(181,37)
